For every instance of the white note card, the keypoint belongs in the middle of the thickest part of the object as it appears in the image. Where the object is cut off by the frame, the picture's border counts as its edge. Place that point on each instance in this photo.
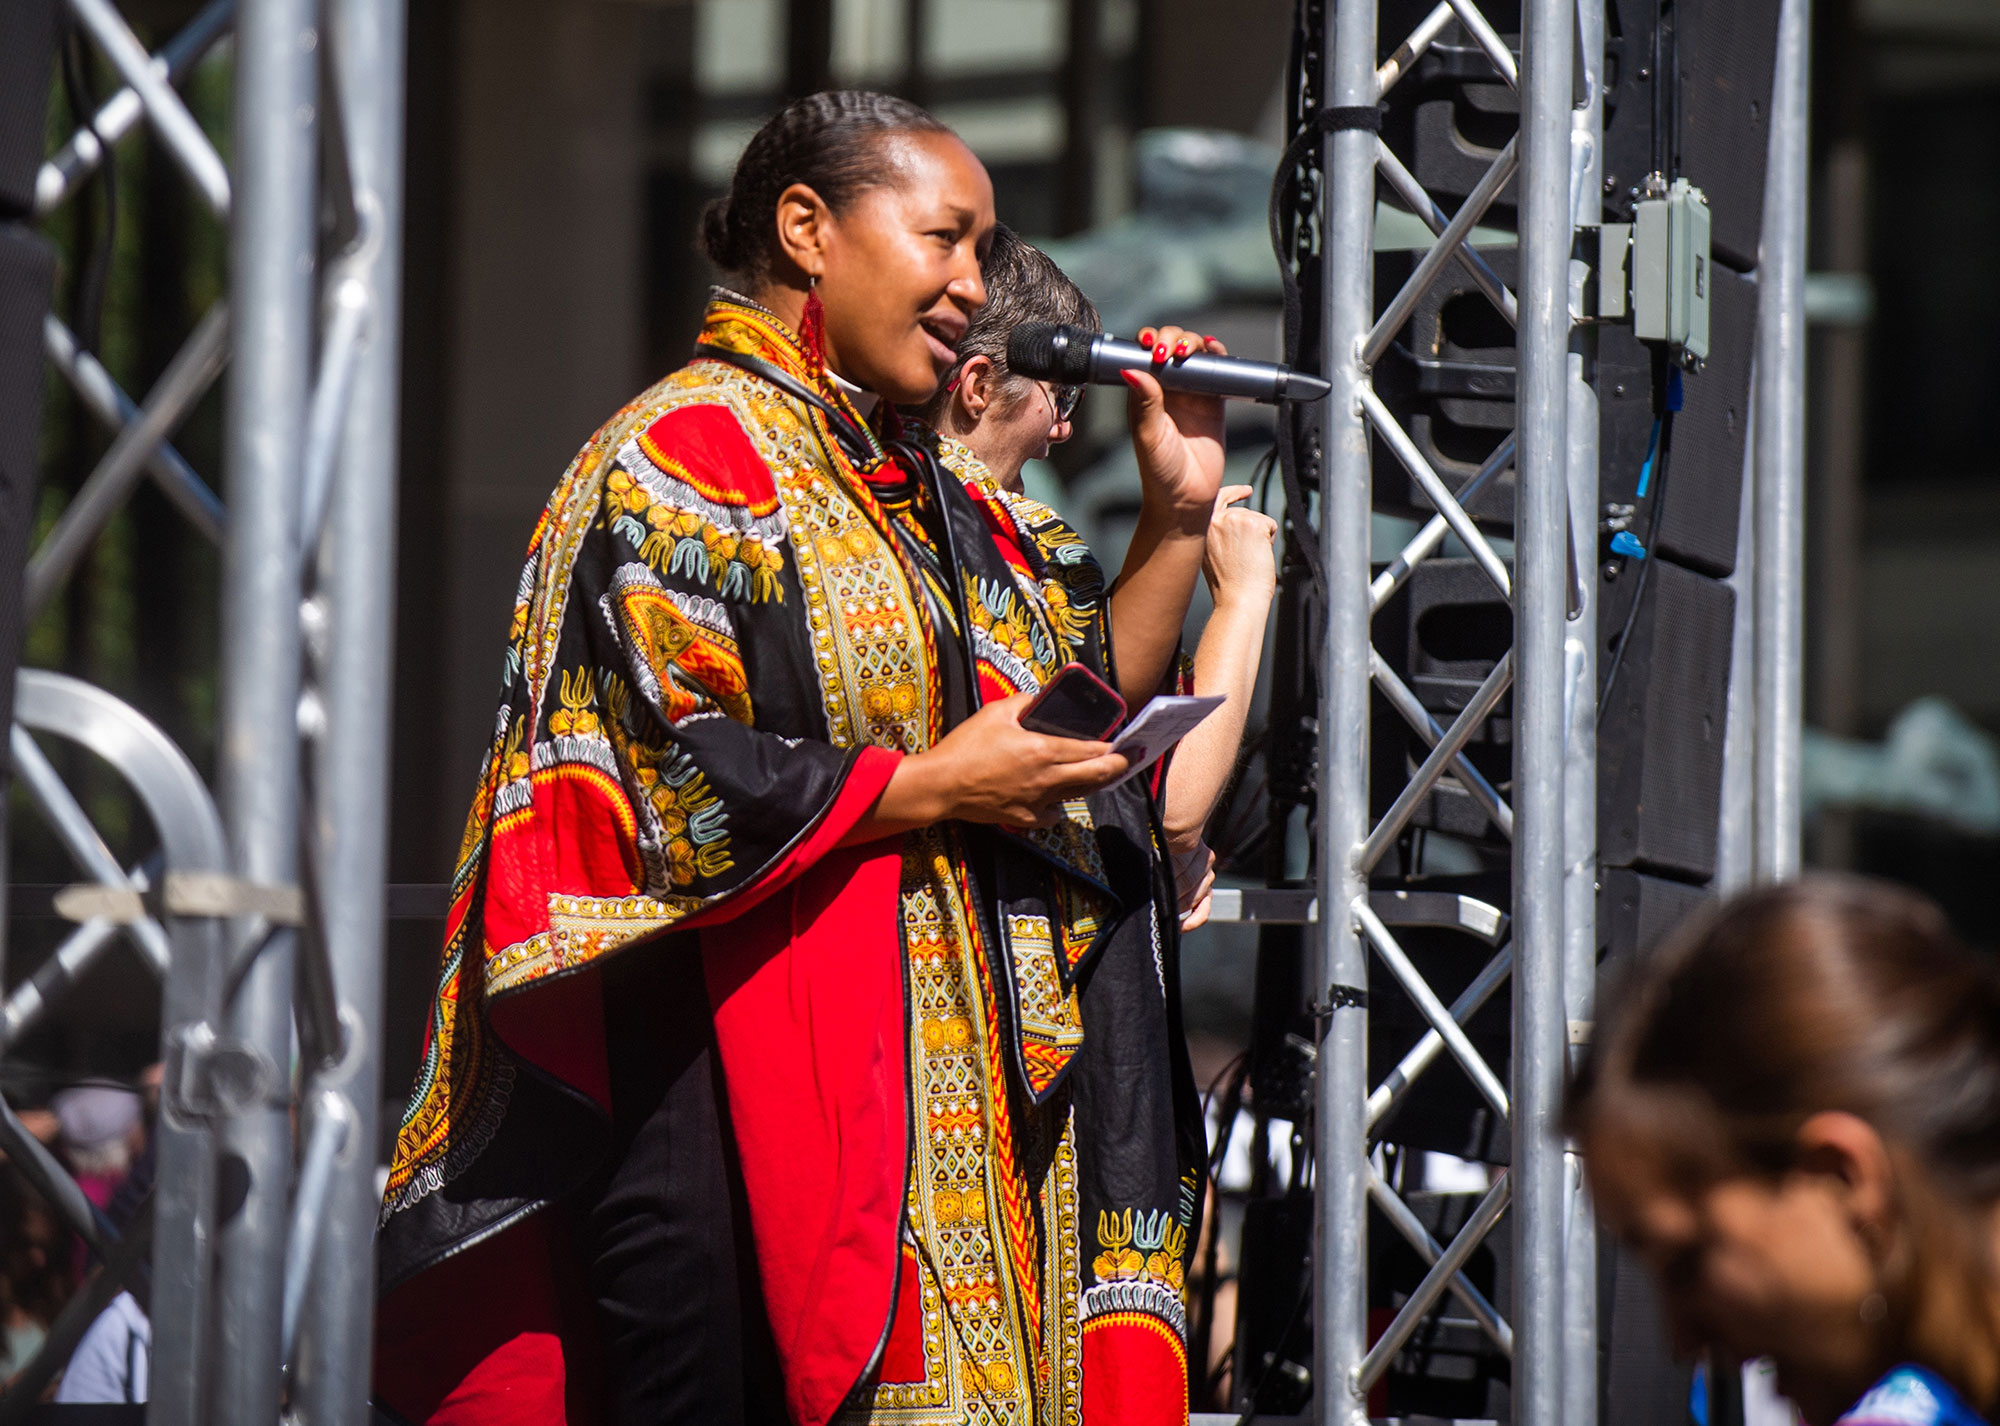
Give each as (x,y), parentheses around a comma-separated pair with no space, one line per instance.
(1157,727)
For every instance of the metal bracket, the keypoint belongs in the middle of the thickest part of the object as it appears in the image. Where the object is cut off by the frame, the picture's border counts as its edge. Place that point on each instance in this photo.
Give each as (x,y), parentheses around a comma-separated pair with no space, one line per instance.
(206,1079)
(183,894)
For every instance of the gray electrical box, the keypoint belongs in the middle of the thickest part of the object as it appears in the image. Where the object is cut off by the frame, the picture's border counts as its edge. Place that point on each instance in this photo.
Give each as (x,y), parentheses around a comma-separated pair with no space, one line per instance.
(1614,271)
(1670,262)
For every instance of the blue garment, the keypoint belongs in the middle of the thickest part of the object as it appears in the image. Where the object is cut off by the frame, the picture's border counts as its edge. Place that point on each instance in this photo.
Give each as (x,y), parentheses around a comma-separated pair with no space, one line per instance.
(1911,1396)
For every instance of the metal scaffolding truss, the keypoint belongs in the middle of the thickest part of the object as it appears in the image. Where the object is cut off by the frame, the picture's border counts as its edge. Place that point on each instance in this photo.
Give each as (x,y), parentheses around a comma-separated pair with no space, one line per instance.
(1555,163)
(270,895)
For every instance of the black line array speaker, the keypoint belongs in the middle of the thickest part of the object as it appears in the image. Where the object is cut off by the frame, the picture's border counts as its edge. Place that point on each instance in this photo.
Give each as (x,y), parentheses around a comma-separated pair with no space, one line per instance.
(1636,912)
(27,59)
(1712,124)
(27,275)
(1452,114)
(1449,376)
(1659,736)
(1443,633)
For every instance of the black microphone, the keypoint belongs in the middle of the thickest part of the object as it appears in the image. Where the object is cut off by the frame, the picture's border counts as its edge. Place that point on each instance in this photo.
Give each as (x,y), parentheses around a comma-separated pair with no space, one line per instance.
(1071,356)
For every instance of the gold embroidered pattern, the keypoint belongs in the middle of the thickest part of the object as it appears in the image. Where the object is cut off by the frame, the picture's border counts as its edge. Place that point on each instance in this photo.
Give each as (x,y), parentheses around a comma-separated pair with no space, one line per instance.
(870,644)
(1051,1019)
(997,1260)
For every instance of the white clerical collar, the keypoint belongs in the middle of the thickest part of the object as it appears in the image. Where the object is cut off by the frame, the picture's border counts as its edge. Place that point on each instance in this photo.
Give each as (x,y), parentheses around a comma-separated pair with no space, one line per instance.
(864,401)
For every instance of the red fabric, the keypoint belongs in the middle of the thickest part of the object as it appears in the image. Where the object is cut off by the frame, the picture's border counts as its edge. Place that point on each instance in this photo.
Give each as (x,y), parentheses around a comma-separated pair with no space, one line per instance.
(558,1025)
(1134,1372)
(903,1357)
(1006,538)
(809,1018)
(502,1334)
(706,446)
(523,1356)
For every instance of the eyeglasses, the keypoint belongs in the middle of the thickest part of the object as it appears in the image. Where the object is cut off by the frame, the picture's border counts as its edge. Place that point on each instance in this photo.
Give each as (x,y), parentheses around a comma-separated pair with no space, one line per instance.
(1062,399)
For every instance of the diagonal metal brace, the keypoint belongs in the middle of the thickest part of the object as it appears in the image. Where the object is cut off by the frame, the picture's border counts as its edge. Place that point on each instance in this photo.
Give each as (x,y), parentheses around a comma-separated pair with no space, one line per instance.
(165,109)
(109,403)
(1453,743)
(1420,203)
(79,837)
(1411,50)
(1441,252)
(1448,506)
(1426,1000)
(1389,1093)
(1482,31)
(80,157)
(1426,727)
(1446,1273)
(186,380)
(1424,543)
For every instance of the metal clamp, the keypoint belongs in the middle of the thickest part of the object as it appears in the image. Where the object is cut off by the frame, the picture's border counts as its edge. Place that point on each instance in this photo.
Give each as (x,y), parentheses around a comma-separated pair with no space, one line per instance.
(206,1079)
(185,893)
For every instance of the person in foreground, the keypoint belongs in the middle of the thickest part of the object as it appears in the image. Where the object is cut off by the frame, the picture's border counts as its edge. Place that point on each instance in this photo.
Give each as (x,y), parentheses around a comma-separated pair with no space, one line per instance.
(986,413)
(806,1045)
(1791,1112)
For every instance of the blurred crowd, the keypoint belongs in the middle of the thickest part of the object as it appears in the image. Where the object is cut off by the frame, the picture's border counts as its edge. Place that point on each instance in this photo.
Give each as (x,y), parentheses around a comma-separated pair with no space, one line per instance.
(101,1134)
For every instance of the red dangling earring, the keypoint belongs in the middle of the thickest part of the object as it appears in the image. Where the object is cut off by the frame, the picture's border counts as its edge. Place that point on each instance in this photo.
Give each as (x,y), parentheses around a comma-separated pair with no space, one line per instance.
(812,329)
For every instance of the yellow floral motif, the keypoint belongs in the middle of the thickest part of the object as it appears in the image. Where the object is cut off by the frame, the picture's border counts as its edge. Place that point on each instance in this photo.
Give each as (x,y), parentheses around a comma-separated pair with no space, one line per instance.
(516,761)
(691,815)
(1148,1247)
(738,563)
(1117,1262)
(618,699)
(574,717)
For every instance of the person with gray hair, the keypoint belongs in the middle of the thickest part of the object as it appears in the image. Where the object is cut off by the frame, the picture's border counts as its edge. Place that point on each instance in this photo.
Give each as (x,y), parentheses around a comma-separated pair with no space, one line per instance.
(1004,418)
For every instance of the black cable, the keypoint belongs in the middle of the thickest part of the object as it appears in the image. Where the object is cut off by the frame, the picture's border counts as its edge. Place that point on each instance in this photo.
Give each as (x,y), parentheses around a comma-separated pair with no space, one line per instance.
(1260,478)
(88,319)
(1660,464)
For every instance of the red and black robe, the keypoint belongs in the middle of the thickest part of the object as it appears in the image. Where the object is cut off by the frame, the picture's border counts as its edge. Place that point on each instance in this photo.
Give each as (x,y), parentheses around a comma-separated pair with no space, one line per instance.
(955,1074)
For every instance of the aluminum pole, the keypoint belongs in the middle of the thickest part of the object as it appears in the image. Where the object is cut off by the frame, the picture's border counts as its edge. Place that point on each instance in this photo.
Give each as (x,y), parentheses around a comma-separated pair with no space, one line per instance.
(351,825)
(1735,830)
(1780,456)
(271,297)
(1579,1304)
(1541,597)
(1340,1257)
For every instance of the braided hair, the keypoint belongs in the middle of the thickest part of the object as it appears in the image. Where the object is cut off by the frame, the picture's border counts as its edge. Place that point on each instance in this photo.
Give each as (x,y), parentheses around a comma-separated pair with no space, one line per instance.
(827,141)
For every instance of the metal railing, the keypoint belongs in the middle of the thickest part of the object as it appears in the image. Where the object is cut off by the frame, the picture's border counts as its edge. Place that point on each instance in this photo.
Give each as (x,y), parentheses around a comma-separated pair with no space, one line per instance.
(264,920)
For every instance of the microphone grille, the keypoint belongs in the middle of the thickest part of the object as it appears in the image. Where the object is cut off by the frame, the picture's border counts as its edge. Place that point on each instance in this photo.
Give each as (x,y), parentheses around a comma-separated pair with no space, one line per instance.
(1049,352)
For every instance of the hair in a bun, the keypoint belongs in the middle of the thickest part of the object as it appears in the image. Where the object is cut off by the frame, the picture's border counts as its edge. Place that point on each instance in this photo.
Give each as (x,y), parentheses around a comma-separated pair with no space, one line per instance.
(826,141)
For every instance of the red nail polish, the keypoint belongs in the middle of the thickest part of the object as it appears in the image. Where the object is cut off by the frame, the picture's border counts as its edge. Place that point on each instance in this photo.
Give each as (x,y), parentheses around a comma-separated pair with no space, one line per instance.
(1131,379)
(1181,349)
(1160,352)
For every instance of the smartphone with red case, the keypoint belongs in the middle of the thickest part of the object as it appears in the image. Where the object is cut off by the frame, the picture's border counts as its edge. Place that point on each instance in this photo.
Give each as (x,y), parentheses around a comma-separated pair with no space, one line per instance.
(1076,703)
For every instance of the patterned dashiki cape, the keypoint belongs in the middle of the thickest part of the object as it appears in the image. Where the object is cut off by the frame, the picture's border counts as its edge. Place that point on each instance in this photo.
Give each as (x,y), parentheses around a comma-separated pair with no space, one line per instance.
(955,1069)
(1911,1396)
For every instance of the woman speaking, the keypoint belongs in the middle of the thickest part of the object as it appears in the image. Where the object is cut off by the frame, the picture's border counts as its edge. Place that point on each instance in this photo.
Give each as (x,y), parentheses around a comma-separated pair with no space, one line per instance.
(807,1042)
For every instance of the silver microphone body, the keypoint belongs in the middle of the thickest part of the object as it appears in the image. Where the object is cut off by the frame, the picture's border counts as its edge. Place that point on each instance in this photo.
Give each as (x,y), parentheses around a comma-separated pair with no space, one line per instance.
(1073,356)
